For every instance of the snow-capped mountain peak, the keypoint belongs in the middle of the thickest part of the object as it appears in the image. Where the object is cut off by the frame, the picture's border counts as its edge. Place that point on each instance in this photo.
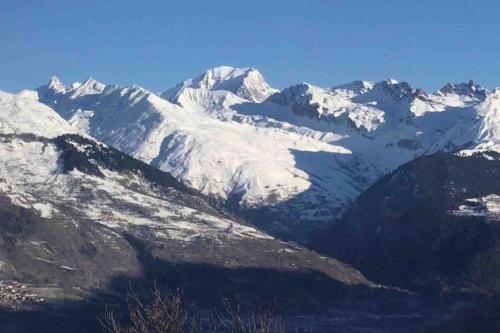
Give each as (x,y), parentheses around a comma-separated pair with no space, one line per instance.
(394,88)
(246,83)
(391,96)
(88,87)
(304,99)
(216,77)
(467,89)
(55,85)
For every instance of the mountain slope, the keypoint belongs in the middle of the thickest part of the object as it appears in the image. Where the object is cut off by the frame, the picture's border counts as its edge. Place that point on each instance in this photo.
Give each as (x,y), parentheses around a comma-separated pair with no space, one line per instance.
(71,206)
(431,224)
(221,156)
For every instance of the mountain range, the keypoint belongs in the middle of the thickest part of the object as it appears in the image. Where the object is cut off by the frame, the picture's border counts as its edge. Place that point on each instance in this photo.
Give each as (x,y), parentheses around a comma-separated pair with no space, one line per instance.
(298,156)
(356,199)
(53,173)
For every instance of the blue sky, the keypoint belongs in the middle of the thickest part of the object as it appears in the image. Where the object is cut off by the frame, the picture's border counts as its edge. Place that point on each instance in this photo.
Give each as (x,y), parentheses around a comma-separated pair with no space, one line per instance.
(159,43)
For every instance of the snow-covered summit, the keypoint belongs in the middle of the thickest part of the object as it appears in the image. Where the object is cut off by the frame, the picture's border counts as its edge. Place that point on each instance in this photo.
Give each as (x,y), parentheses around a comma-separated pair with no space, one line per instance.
(396,89)
(246,83)
(56,87)
(87,87)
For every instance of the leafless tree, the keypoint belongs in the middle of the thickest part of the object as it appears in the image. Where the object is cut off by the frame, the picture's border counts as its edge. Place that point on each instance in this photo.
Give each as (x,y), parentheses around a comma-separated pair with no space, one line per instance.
(170,314)
(162,314)
(234,320)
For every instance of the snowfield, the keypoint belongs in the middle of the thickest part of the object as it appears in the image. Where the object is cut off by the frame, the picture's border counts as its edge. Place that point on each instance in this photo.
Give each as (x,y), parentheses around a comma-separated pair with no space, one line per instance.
(488,206)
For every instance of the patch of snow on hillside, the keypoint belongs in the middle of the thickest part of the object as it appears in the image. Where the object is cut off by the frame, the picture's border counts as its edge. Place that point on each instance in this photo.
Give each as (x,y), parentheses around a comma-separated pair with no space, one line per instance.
(30,176)
(44,209)
(488,206)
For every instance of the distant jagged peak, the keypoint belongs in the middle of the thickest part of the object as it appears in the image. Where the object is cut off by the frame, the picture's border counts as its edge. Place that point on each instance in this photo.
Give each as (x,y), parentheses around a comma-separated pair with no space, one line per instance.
(393,97)
(303,86)
(247,83)
(310,88)
(89,82)
(75,85)
(88,87)
(331,106)
(398,90)
(357,87)
(301,93)
(389,82)
(469,89)
(420,92)
(55,85)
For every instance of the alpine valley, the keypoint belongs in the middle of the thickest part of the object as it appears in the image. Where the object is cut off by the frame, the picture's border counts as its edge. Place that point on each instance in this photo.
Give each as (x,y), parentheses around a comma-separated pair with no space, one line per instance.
(359,207)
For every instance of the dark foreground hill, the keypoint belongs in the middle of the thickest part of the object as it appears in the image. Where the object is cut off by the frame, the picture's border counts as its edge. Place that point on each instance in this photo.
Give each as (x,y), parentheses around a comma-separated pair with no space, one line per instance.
(430,225)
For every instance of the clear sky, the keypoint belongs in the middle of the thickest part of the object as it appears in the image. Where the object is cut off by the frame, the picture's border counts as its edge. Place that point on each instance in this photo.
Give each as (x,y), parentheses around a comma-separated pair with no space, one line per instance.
(159,43)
